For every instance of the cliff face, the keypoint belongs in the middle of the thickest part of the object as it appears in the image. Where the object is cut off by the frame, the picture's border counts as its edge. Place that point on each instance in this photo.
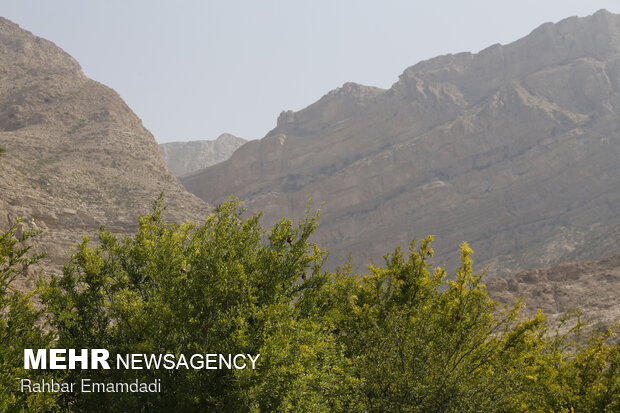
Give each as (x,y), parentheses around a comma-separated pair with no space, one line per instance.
(515,149)
(591,286)
(183,158)
(76,157)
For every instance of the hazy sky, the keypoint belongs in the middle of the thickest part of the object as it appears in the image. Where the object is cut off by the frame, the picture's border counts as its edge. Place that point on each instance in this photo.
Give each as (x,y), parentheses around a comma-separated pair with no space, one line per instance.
(195,69)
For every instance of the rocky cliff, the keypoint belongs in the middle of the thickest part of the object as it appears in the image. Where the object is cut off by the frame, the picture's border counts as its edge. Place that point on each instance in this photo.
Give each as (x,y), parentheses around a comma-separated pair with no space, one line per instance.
(76,157)
(515,149)
(183,158)
(591,286)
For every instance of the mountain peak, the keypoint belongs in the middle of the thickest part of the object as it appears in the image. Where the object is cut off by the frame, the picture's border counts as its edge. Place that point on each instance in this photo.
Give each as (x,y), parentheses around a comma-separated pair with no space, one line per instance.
(76,156)
(183,158)
(23,51)
(549,45)
(513,148)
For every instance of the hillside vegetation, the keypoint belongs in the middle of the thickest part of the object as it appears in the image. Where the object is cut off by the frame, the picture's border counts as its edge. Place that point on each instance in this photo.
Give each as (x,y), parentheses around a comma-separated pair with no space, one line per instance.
(405,337)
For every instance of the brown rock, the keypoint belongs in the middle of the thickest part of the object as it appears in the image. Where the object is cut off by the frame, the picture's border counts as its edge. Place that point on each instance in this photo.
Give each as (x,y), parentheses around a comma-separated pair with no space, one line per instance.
(589,286)
(76,156)
(514,149)
(183,158)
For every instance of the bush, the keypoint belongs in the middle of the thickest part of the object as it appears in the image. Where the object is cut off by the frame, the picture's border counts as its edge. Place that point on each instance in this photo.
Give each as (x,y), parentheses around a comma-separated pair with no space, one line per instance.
(403,338)
(220,287)
(20,327)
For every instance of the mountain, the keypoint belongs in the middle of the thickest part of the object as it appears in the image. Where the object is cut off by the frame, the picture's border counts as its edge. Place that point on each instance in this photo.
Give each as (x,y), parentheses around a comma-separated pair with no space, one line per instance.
(591,286)
(76,157)
(186,157)
(515,149)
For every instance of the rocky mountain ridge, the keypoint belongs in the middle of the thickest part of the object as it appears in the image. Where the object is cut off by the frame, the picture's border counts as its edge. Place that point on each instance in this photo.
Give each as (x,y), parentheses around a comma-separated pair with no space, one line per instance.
(183,158)
(514,149)
(590,286)
(76,157)
(439,152)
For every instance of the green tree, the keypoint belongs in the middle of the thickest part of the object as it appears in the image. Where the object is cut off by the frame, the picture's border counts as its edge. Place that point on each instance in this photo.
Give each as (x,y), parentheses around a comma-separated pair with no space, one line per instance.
(405,338)
(20,328)
(221,287)
(575,372)
(422,342)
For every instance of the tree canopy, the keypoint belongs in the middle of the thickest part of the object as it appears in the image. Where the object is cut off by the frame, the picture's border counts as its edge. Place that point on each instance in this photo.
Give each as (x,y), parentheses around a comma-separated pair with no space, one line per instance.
(405,337)
(19,327)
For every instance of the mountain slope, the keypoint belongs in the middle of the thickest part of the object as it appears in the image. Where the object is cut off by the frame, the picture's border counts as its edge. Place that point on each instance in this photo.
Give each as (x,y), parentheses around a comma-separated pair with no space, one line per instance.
(76,156)
(515,149)
(186,157)
(591,286)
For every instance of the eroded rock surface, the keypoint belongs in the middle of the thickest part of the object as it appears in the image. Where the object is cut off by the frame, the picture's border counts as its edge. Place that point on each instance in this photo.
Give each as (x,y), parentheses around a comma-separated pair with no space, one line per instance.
(183,158)
(590,286)
(515,149)
(76,157)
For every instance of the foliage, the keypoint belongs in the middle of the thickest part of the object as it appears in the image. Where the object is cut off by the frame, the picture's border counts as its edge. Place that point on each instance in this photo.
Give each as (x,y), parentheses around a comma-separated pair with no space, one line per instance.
(19,328)
(405,337)
(220,287)
(423,343)
(576,372)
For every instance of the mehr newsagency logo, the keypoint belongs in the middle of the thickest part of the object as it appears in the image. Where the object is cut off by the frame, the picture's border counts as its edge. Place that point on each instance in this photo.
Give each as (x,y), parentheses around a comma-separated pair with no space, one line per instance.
(94,359)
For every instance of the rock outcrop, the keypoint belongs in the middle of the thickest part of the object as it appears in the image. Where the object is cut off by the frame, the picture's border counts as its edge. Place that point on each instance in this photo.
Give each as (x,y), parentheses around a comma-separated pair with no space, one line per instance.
(515,149)
(590,286)
(76,157)
(183,158)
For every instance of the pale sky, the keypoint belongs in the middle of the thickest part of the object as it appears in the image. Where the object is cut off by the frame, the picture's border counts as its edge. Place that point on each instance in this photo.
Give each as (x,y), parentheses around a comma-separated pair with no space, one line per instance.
(195,69)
